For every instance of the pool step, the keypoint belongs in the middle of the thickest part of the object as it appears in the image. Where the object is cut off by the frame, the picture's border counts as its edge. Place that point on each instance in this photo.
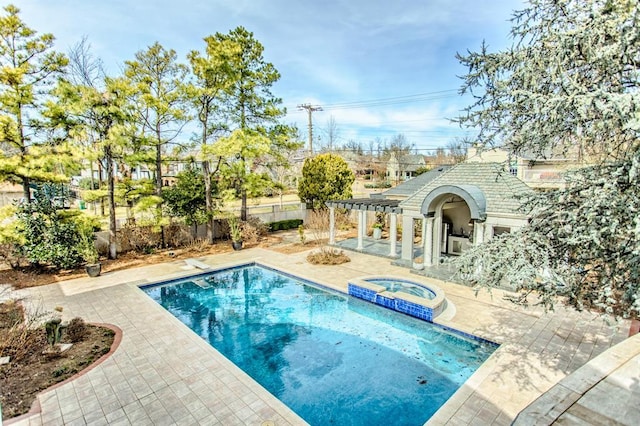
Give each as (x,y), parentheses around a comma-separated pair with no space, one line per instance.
(197,264)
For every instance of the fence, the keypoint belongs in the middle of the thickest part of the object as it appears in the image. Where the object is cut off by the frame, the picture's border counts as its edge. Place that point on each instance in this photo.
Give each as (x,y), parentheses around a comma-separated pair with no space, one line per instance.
(266,214)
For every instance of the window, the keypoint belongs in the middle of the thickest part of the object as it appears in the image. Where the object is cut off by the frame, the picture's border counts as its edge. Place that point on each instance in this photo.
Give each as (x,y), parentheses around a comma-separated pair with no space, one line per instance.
(498,230)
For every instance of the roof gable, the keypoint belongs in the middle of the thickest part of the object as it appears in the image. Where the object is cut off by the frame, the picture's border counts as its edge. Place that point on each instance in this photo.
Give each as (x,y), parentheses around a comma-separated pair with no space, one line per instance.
(411,186)
(501,189)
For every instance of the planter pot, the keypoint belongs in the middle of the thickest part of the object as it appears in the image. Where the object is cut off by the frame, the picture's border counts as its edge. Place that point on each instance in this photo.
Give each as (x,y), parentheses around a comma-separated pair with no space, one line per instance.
(377,233)
(418,266)
(93,269)
(237,245)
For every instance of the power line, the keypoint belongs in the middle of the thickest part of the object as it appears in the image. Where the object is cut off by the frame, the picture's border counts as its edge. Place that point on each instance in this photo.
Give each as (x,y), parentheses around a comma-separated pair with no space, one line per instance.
(420,97)
(394,100)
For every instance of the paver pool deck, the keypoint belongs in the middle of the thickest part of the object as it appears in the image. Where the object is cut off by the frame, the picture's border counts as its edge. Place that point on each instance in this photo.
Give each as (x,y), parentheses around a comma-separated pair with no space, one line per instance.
(162,373)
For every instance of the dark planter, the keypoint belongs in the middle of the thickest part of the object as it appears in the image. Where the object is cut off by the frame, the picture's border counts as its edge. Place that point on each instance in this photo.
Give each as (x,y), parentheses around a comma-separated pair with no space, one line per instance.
(93,269)
(237,245)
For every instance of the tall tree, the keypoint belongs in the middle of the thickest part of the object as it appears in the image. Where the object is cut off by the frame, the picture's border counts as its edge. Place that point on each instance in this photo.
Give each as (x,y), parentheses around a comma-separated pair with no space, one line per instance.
(212,76)
(250,106)
(106,113)
(28,66)
(333,133)
(159,99)
(569,82)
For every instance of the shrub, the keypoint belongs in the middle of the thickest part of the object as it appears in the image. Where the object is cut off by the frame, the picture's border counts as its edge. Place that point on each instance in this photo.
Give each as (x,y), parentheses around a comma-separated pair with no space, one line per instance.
(88,183)
(141,239)
(177,235)
(328,256)
(283,225)
(50,236)
(77,330)
(377,185)
(19,331)
(252,230)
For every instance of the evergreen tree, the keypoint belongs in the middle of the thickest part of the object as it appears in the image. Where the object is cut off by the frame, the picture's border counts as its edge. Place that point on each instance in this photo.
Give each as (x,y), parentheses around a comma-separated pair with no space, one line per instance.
(325,177)
(28,67)
(252,110)
(568,85)
(106,114)
(211,79)
(159,100)
(186,198)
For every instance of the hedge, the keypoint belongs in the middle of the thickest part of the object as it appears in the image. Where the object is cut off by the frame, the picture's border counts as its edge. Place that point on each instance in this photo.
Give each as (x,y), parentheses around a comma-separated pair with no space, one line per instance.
(284,224)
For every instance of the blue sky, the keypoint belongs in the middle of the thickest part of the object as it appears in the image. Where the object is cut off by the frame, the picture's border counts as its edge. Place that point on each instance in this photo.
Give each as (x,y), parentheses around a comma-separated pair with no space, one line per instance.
(379,68)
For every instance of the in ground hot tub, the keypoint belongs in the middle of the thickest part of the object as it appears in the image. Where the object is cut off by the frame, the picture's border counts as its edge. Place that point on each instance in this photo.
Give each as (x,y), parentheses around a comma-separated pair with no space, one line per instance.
(420,300)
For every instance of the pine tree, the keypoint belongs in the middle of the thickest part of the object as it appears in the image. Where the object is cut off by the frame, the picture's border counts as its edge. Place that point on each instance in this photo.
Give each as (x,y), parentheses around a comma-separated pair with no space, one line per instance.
(28,67)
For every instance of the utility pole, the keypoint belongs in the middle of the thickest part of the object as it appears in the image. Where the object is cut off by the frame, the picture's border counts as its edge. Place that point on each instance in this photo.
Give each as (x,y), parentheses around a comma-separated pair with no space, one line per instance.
(310,109)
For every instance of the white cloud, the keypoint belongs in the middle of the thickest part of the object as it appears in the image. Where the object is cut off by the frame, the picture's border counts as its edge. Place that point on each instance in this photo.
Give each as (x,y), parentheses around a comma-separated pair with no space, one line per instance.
(327,52)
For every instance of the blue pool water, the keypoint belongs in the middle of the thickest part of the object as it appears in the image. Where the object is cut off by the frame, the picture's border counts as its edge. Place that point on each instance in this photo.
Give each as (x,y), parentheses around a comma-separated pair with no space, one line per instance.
(331,358)
(394,285)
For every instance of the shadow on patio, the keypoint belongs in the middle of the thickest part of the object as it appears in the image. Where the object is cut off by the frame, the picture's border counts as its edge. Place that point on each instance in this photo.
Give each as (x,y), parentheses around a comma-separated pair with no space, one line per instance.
(381,248)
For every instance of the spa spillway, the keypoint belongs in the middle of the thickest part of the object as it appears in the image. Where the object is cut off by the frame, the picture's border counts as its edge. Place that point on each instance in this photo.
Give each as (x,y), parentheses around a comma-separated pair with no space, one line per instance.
(424,301)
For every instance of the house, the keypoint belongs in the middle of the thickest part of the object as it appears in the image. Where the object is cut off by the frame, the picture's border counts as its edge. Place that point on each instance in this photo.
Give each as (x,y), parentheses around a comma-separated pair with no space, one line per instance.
(538,173)
(402,167)
(10,193)
(454,206)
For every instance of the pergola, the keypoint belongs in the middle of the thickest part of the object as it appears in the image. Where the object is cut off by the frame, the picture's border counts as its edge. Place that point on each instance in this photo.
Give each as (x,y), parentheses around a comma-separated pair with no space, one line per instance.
(362,206)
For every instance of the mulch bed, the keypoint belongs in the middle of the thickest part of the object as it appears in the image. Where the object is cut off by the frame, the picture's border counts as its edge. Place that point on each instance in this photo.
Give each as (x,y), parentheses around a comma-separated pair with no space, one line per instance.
(32,370)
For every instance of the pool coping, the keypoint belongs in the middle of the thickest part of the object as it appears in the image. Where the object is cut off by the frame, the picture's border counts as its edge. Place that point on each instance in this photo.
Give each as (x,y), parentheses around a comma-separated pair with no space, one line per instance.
(533,342)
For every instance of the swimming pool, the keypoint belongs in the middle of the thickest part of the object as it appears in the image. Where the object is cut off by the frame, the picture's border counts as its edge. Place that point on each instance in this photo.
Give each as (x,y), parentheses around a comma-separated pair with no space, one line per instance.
(331,358)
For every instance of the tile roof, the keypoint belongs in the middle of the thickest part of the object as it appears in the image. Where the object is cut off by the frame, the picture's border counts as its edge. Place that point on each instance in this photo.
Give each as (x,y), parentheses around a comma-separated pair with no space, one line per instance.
(411,186)
(501,189)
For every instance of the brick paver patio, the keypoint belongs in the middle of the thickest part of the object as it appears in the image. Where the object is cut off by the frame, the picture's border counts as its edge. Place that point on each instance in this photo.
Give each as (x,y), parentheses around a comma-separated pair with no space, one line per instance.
(162,373)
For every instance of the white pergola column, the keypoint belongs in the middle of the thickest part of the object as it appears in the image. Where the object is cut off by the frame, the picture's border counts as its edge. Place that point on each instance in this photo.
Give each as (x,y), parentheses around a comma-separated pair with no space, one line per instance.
(393,234)
(428,242)
(362,223)
(332,225)
(407,238)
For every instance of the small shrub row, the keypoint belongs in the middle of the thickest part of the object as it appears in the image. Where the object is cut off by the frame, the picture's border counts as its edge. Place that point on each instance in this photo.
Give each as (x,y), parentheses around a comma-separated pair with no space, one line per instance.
(285,224)
(377,185)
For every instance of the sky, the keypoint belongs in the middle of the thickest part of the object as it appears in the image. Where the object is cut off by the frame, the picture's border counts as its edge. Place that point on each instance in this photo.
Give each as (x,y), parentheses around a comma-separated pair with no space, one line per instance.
(376,68)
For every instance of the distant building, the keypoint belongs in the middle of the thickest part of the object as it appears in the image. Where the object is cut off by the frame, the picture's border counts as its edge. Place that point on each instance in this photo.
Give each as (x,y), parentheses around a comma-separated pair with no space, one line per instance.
(539,174)
(10,193)
(403,167)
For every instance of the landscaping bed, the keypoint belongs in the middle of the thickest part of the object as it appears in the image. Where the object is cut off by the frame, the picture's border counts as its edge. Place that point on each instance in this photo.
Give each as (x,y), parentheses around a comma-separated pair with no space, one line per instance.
(34,367)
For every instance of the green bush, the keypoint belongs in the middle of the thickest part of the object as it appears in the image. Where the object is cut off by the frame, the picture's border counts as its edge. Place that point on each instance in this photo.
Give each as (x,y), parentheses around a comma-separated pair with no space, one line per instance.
(284,225)
(48,237)
(377,185)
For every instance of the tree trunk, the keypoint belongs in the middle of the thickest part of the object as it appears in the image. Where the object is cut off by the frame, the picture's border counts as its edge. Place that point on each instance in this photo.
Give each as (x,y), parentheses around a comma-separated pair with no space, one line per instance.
(158,170)
(100,186)
(159,186)
(26,190)
(112,202)
(208,200)
(243,209)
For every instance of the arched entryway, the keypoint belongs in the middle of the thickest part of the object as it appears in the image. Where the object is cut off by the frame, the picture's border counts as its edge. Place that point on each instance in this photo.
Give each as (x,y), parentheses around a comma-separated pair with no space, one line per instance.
(454,218)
